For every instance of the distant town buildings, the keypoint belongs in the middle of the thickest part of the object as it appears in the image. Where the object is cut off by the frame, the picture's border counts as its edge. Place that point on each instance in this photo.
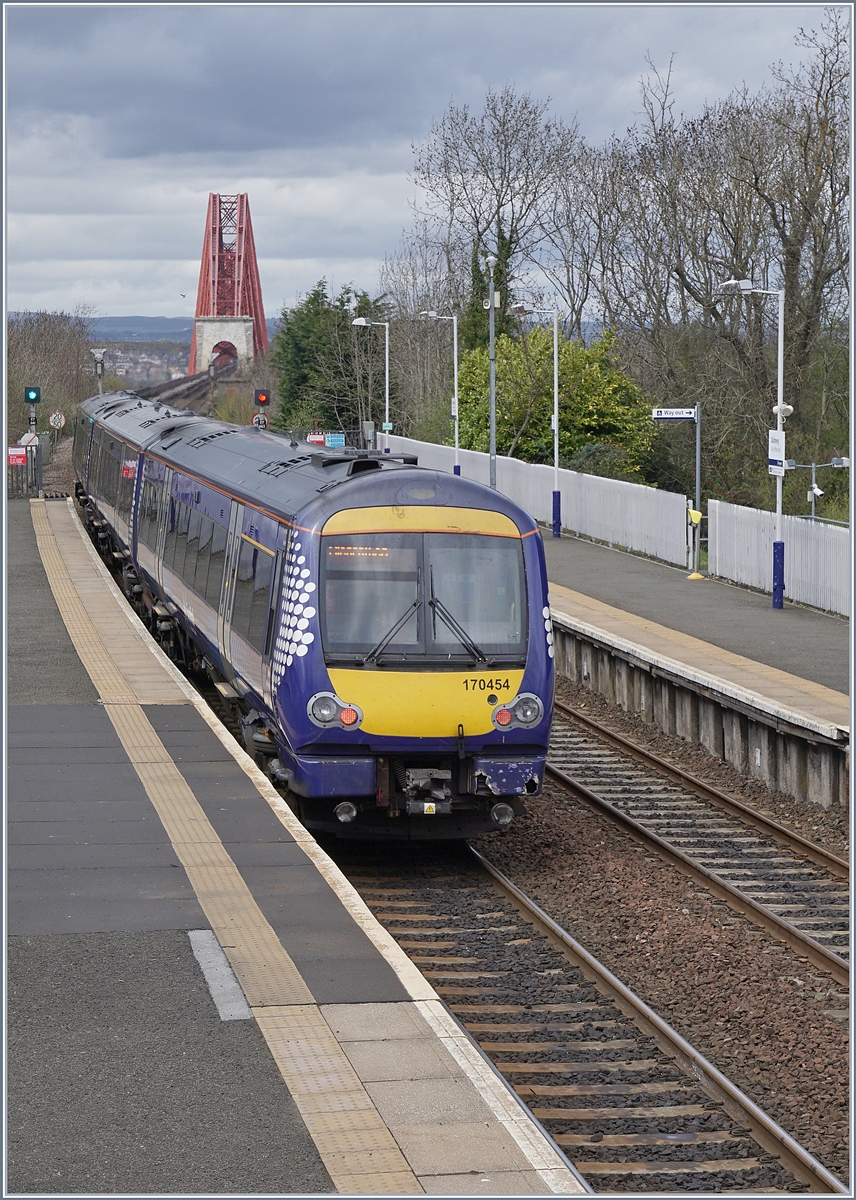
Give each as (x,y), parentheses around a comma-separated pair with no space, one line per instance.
(147,363)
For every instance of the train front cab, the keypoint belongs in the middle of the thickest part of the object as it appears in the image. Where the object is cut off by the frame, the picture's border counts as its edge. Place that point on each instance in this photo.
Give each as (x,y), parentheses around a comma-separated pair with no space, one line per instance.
(418,691)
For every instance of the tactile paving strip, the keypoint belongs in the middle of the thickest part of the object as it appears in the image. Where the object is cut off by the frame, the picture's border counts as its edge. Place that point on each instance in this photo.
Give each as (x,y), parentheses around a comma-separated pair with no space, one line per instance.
(358,1150)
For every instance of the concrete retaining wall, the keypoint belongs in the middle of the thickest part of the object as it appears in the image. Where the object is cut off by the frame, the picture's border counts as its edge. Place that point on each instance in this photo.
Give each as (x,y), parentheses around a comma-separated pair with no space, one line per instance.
(800,757)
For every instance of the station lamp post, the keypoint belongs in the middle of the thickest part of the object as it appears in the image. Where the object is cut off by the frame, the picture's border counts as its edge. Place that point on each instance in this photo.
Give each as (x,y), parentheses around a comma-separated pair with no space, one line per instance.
(520,309)
(432,316)
(746,287)
(387,428)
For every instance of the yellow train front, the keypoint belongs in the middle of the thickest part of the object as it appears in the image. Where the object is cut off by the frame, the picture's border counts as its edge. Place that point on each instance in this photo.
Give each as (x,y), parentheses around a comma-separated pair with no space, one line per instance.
(415,693)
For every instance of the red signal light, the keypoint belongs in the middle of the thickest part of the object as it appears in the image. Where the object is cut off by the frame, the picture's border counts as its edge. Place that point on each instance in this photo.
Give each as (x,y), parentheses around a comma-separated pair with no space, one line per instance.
(262,397)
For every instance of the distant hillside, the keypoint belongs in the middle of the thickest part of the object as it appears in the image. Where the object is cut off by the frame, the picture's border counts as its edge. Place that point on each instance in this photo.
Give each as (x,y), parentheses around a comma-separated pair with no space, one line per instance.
(153,329)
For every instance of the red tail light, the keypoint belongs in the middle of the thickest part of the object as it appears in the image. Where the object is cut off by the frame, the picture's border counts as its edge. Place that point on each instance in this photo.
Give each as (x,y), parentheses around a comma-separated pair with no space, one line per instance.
(503,717)
(349,716)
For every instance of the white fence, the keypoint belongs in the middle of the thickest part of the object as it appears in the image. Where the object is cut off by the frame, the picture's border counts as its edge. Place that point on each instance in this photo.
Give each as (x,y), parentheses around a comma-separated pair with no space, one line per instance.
(817,556)
(632,515)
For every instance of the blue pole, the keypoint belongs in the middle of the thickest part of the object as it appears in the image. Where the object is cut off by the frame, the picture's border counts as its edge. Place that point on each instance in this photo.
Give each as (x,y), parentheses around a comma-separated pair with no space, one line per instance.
(557,514)
(778,574)
(457,468)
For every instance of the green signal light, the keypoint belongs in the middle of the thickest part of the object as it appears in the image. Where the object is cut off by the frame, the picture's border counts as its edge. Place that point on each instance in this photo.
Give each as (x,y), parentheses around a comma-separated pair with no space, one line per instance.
(32,395)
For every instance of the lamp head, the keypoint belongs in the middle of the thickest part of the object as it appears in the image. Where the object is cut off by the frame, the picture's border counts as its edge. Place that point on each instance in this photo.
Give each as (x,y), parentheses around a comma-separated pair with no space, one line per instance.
(736,285)
(361,321)
(519,309)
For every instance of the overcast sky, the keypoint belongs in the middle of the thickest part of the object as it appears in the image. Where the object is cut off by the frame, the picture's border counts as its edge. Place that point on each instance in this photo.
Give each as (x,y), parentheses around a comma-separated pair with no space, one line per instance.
(121,120)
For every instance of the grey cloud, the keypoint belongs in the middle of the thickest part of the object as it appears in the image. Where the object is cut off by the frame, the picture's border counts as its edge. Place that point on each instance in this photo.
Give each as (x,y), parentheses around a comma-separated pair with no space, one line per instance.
(166,79)
(122,119)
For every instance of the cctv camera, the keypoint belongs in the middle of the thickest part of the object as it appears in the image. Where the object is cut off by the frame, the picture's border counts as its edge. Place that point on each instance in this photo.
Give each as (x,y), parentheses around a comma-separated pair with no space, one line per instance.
(817,491)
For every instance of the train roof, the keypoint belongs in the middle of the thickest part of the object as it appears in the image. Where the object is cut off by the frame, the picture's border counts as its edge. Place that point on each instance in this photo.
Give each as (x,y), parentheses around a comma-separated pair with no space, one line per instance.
(275,472)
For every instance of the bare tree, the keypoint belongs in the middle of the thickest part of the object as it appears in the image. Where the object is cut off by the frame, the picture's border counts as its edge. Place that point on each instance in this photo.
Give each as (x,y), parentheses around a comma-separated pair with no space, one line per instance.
(49,350)
(493,171)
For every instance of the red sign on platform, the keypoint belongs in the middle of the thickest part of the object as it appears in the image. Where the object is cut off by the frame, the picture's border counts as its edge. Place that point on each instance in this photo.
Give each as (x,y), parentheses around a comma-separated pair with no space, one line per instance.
(17,456)
(317,439)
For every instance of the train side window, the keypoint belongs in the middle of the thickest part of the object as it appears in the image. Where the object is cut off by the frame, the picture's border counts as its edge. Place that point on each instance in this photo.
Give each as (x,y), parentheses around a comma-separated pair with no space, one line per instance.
(188,571)
(171,532)
(261,598)
(202,555)
(81,441)
(109,474)
(215,566)
(148,517)
(243,601)
(95,470)
(127,479)
(182,521)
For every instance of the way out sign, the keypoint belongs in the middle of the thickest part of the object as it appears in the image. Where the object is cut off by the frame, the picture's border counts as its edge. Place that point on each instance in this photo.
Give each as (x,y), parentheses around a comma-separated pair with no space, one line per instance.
(776,452)
(673,414)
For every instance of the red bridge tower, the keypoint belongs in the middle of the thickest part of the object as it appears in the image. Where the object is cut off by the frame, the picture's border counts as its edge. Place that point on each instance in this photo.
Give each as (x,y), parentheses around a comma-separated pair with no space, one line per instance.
(230,319)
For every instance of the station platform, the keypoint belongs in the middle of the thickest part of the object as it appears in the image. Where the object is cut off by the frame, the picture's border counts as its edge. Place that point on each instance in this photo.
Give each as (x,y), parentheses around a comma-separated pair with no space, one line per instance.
(793,663)
(198,1000)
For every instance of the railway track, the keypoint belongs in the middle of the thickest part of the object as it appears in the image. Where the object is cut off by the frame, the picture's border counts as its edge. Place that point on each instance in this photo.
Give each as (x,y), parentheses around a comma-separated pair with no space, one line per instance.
(795,889)
(630,1103)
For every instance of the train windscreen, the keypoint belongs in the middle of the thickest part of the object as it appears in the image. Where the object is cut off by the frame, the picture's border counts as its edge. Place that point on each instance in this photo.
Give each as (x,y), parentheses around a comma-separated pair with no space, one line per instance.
(423,597)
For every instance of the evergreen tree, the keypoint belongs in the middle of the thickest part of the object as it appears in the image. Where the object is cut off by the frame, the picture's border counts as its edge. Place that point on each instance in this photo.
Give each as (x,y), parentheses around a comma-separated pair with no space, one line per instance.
(329,375)
(475,322)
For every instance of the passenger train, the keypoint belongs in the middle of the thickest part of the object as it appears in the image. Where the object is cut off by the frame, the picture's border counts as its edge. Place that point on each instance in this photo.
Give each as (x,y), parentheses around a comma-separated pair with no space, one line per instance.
(383,629)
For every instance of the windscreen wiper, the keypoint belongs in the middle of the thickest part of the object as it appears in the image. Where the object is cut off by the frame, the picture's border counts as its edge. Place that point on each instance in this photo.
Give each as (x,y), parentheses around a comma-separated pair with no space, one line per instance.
(375,653)
(439,609)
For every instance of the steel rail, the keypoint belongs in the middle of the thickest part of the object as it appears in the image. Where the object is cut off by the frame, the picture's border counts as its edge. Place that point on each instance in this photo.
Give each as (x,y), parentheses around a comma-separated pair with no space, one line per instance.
(823,858)
(818,954)
(765,1130)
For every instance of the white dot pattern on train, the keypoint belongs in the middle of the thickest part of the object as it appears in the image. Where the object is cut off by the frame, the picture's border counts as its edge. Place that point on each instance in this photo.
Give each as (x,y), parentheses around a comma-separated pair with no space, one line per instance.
(296,633)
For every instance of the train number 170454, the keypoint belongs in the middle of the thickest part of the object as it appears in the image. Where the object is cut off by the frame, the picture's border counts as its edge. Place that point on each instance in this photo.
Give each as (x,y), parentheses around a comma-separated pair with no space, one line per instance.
(480,684)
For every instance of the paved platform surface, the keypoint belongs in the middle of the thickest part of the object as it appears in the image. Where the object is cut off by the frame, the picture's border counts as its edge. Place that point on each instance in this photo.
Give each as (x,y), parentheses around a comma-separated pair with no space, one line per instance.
(136,1064)
(797,641)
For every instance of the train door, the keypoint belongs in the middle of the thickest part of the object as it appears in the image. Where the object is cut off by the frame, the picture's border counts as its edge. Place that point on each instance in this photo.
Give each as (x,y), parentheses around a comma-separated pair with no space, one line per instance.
(270,630)
(227,591)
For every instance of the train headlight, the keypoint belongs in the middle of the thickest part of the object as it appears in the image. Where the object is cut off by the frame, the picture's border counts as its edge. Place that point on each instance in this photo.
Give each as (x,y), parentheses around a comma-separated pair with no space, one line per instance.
(528,710)
(524,711)
(323,708)
(327,711)
(345,812)
(502,814)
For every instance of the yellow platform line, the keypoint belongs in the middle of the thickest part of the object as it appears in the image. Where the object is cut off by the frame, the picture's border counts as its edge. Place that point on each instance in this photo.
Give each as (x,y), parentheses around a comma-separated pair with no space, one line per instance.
(327,1091)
